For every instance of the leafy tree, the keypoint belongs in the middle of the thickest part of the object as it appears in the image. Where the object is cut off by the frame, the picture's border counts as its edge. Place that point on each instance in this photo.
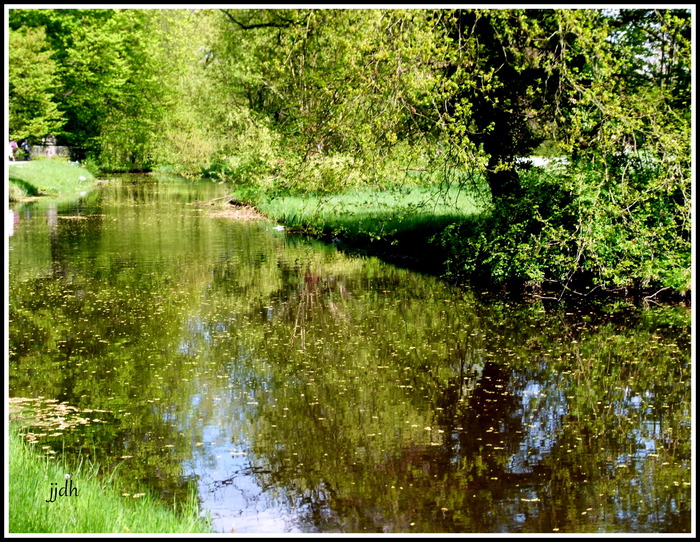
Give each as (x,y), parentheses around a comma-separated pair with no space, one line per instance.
(629,134)
(33,83)
(338,86)
(110,92)
(116,96)
(618,217)
(190,132)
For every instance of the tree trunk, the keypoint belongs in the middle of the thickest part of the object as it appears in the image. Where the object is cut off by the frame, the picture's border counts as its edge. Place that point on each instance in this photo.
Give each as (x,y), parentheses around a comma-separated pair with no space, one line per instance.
(504,183)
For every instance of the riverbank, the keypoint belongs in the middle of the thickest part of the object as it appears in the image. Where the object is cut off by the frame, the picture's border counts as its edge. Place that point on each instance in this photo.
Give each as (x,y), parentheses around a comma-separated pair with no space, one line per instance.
(48,496)
(401,225)
(49,177)
(442,232)
(449,231)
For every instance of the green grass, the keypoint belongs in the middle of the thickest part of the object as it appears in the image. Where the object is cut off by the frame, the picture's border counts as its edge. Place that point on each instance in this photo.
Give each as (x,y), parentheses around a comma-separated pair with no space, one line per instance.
(47,178)
(97,508)
(368,214)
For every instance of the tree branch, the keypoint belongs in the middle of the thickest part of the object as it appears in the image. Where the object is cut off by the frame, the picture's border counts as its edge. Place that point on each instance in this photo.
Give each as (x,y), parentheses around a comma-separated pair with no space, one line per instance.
(283,24)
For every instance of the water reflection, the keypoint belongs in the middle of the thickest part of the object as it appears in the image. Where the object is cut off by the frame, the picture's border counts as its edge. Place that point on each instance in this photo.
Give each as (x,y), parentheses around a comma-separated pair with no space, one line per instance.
(298,389)
(11,221)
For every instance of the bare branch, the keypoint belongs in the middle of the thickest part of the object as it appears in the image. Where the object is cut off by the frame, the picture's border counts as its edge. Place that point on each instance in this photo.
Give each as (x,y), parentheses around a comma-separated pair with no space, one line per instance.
(283,23)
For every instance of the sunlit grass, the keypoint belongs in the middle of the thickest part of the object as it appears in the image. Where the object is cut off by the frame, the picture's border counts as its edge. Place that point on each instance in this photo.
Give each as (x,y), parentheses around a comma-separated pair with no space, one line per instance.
(47,178)
(374,214)
(98,506)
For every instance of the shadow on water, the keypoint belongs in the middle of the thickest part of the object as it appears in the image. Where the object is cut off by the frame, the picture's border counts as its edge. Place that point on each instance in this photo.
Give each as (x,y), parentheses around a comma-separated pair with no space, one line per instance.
(299,389)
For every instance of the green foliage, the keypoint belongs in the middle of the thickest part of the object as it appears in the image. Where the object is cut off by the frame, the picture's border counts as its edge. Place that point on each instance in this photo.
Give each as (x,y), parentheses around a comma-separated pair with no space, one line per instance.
(509,242)
(500,85)
(112,97)
(33,84)
(576,230)
(321,101)
(117,98)
(620,216)
(337,85)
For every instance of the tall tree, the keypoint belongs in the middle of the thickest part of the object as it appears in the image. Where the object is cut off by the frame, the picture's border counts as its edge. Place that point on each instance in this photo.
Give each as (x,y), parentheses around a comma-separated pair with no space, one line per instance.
(33,84)
(192,129)
(612,90)
(109,91)
(332,83)
(502,84)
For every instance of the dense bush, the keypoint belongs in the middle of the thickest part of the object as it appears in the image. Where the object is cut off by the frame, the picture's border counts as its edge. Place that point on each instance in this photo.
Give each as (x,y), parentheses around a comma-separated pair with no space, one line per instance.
(567,230)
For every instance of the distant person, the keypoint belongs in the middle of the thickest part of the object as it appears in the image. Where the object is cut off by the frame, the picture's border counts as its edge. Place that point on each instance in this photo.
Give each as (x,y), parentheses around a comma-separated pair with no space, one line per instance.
(25,148)
(12,149)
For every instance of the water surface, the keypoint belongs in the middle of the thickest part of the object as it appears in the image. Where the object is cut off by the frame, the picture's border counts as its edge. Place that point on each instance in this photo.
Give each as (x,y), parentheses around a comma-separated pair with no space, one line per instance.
(298,389)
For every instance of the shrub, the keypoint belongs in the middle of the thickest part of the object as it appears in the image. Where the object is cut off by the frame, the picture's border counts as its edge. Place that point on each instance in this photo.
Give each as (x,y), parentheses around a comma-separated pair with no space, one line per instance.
(608,225)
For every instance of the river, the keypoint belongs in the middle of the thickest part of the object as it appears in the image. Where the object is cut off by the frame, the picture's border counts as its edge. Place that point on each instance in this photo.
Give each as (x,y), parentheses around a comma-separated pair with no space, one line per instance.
(298,389)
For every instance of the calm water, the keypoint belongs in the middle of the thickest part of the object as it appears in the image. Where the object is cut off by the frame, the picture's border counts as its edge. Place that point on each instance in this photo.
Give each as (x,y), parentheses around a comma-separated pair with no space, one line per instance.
(297,389)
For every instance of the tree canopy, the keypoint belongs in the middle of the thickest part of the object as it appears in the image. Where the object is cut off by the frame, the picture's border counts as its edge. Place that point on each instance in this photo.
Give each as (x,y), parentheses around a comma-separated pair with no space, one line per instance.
(33,80)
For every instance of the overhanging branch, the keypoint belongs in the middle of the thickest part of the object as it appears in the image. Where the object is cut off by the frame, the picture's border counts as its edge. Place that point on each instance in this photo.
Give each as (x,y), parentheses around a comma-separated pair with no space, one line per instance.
(282,23)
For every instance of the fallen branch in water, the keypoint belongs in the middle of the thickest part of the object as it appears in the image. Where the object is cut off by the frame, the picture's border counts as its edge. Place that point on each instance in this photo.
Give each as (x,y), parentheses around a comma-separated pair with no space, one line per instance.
(211,201)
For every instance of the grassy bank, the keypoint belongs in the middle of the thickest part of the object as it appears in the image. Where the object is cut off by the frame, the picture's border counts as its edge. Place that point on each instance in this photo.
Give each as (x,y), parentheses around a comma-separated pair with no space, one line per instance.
(47,178)
(98,507)
(396,223)
(552,236)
